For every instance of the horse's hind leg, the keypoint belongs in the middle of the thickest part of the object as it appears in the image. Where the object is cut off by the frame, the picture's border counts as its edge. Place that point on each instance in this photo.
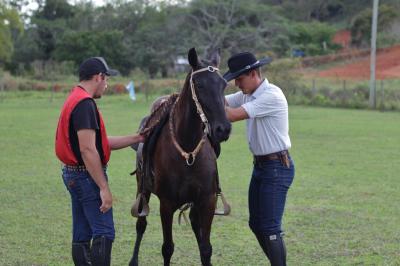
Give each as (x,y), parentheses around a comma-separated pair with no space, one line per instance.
(141,225)
(201,217)
(167,213)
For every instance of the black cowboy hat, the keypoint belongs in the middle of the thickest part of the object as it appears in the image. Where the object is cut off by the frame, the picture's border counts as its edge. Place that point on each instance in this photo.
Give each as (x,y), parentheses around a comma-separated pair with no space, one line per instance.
(243,62)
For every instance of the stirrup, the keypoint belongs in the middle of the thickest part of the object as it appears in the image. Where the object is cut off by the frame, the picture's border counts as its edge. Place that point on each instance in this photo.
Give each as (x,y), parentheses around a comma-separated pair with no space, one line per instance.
(227,208)
(140,202)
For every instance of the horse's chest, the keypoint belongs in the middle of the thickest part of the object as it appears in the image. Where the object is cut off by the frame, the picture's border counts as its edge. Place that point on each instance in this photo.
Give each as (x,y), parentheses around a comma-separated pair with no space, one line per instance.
(184,187)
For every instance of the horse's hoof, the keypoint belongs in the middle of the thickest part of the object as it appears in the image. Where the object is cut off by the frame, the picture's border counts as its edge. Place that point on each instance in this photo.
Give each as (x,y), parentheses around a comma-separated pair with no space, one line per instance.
(133,263)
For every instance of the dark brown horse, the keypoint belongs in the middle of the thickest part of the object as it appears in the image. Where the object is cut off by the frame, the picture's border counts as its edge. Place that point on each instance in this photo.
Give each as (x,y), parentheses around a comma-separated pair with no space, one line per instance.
(197,122)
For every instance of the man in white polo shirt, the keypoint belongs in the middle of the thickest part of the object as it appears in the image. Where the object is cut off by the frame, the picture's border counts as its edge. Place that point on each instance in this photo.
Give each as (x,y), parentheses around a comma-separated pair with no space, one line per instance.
(265,109)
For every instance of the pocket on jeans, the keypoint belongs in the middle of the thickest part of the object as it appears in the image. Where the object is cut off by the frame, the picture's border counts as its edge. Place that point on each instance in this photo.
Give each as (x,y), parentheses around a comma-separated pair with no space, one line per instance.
(287,176)
(268,171)
(88,189)
(68,180)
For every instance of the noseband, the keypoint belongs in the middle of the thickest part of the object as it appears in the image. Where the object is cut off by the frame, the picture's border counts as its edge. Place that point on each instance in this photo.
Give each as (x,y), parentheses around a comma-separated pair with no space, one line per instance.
(190,157)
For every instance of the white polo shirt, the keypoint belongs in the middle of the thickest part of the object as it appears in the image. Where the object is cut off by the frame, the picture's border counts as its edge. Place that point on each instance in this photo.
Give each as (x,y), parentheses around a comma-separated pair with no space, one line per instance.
(267,125)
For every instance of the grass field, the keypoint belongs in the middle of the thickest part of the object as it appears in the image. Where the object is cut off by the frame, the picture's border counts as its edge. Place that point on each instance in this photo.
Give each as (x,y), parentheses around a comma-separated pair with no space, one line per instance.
(343,207)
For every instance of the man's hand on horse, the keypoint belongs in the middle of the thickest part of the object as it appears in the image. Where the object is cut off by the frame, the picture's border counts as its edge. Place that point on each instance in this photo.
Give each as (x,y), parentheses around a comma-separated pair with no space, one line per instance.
(144,133)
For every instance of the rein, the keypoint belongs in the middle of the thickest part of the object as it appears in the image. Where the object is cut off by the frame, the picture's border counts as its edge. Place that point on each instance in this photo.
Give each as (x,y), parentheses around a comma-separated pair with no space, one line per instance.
(190,157)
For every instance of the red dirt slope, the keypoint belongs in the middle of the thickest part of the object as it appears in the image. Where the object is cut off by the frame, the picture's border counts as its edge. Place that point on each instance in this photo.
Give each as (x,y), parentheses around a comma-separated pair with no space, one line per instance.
(387,66)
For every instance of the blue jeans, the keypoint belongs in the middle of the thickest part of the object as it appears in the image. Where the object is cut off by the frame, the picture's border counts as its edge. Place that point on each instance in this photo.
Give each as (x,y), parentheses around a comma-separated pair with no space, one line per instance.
(87,220)
(269,185)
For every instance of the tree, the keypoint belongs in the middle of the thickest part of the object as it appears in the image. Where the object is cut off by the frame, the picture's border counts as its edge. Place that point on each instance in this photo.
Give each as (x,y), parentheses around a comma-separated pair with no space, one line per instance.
(233,25)
(158,39)
(361,25)
(312,38)
(309,10)
(324,10)
(50,21)
(76,46)
(25,52)
(10,28)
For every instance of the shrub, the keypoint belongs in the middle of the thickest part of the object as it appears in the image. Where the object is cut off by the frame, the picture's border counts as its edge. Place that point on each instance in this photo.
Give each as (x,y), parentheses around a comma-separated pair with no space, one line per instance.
(320,100)
(58,87)
(39,86)
(9,82)
(118,88)
(283,74)
(25,86)
(313,38)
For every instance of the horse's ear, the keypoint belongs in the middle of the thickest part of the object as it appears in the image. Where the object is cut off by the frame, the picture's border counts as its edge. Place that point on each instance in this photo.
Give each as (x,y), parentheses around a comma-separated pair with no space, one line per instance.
(216,58)
(193,58)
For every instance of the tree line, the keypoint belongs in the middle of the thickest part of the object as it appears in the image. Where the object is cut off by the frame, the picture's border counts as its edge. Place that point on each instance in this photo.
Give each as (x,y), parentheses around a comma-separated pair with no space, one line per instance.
(149,36)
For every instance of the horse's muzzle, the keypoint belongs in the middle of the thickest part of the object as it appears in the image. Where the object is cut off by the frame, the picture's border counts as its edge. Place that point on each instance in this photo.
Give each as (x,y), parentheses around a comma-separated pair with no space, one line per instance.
(221,132)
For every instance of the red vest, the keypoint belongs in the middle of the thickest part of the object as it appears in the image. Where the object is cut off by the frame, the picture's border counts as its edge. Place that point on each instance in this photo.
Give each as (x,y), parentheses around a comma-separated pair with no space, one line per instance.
(63,145)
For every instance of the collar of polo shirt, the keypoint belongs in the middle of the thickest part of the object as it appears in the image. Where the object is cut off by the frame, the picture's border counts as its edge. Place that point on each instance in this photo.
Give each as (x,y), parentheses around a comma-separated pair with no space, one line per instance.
(263,85)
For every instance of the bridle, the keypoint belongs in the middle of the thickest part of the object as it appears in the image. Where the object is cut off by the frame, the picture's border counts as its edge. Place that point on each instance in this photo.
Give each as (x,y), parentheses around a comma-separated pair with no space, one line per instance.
(190,157)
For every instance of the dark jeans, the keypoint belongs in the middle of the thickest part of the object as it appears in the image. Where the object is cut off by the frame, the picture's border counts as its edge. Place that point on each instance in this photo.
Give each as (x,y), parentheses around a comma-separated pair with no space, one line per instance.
(267,195)
(87,220)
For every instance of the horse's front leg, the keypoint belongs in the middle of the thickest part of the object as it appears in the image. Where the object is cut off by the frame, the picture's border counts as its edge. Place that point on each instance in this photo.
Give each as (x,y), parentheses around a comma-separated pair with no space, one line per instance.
(141,225)
(195,221)
(167,212)
(201,218)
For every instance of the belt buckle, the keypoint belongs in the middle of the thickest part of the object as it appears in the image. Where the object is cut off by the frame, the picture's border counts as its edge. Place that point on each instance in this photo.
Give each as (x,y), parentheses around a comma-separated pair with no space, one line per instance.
(284,158)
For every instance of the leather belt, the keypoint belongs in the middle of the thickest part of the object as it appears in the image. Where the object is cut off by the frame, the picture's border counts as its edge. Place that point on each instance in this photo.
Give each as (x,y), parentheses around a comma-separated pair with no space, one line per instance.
(78,168)
(283,156)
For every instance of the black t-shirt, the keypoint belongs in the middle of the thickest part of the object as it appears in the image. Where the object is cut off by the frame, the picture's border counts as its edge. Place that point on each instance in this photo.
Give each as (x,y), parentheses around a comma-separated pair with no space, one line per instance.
(84,116)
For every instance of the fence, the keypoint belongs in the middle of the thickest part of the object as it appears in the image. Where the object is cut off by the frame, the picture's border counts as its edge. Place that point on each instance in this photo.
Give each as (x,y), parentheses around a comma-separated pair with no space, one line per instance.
(346,93)
(298,89)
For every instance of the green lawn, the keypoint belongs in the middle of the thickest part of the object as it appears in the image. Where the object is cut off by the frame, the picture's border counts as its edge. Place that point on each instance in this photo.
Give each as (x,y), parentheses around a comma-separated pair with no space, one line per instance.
(343,207)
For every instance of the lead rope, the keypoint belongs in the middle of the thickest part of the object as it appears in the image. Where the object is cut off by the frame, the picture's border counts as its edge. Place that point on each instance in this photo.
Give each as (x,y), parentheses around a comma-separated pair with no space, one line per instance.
(190,157)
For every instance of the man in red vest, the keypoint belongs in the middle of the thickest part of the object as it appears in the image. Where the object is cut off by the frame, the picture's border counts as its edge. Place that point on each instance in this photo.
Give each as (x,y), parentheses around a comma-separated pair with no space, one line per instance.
(83,146)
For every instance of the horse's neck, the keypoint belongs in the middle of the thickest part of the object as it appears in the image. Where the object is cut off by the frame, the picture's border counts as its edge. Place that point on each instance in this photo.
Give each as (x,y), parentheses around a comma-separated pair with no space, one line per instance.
(188,126)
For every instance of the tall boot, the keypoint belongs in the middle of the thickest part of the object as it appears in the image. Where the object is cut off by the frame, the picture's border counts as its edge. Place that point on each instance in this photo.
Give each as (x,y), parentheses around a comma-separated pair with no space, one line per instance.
(81,253)
(263,245)
(274,247)
(101,251)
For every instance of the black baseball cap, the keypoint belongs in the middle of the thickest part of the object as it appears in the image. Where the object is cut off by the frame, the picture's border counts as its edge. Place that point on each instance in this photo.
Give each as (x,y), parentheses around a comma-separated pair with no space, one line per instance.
(94,66)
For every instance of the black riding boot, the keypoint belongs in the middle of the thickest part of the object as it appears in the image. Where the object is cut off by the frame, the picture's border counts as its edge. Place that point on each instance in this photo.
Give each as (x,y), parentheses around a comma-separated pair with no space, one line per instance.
(101,251)
(81,253)
(274,247)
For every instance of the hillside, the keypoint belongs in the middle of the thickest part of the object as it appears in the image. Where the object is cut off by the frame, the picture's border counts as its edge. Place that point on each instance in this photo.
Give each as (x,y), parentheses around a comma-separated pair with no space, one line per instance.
(387,66)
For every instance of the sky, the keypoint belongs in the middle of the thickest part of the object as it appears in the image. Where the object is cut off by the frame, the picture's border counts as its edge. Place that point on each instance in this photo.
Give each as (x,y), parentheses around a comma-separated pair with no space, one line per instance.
(28,9)
(33,5)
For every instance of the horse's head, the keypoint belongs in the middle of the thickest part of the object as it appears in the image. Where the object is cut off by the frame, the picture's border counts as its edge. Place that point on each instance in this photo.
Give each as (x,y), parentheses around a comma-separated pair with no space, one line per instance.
(208,86)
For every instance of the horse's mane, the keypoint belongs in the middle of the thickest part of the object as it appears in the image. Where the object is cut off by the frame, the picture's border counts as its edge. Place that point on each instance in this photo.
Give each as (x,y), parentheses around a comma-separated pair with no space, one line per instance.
(161,108)
(158,114)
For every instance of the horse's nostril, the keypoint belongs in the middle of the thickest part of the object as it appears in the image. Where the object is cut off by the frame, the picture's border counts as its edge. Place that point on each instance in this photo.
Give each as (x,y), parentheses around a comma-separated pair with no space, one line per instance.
(222,132)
